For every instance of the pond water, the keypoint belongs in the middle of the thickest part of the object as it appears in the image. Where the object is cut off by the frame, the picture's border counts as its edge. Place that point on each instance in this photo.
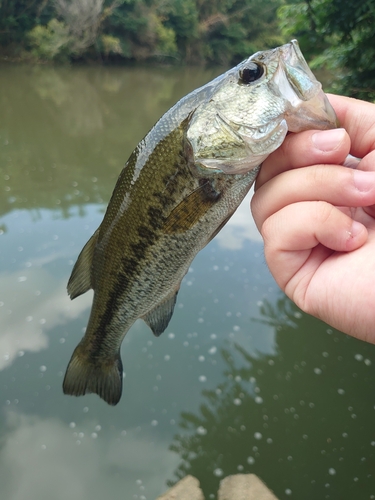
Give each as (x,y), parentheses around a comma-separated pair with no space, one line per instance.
(241,380)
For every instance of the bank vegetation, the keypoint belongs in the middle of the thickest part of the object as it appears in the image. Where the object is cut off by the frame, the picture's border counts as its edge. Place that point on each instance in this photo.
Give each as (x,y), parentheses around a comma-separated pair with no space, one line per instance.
(333,34)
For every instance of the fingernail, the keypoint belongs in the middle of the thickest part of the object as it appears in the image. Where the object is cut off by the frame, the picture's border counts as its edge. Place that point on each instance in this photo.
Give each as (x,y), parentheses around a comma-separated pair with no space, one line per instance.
(363,181)
(328,140)
(355,230)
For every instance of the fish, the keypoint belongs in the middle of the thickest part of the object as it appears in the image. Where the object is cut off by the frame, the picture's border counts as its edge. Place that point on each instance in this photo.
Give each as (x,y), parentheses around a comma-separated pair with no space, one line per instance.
(179,187)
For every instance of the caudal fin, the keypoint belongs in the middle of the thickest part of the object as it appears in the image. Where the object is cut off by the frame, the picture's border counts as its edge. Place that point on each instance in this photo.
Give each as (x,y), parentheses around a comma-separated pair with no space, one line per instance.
(84,376)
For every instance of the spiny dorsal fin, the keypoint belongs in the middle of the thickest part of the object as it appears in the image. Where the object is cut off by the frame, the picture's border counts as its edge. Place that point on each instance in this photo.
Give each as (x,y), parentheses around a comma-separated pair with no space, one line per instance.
(103,378)
(159,317)
(80,279)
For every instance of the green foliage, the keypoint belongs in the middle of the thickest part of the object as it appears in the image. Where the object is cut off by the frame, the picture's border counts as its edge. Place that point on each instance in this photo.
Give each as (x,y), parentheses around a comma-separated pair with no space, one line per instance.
(51,41)
(333,34)
(354,28)
(166,39)
(111,45)
(17,17)
(296,20)
(222,31)
(191,31)
(339,36)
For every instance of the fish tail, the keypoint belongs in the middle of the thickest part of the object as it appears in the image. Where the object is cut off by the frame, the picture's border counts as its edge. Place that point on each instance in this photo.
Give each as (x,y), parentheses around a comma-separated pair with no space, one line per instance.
(85,375)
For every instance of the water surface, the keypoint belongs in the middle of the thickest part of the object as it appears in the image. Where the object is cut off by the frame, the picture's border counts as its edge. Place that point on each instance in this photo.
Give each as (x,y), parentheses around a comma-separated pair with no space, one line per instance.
(241,381)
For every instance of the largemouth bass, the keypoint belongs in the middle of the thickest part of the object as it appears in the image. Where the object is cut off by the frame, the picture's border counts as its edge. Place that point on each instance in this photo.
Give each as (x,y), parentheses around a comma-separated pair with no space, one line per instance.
(179,187)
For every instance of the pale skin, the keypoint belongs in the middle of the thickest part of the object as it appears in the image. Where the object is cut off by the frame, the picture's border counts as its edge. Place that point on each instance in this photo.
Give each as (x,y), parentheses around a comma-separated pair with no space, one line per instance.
(317,219)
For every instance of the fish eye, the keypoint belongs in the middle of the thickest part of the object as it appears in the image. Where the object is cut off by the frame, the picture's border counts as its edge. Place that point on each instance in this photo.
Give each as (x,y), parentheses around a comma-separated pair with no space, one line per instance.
(252,72)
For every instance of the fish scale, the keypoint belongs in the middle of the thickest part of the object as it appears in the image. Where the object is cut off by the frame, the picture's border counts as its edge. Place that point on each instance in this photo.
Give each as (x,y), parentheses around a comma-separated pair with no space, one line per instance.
(179,187)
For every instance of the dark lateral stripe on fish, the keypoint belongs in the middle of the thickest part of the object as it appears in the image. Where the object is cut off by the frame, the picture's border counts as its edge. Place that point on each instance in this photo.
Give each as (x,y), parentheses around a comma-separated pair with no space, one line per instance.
(128,269)
(147,234)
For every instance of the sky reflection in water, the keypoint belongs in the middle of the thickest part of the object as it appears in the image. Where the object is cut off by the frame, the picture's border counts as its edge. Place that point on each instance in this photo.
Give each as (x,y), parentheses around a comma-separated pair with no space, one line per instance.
(241,381)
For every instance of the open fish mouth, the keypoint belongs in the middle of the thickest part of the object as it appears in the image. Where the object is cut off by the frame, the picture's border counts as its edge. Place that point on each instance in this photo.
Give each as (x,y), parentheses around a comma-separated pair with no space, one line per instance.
(310,107)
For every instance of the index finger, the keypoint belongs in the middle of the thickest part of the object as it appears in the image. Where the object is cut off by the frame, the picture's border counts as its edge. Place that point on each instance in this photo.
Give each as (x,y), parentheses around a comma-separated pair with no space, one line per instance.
(358,118)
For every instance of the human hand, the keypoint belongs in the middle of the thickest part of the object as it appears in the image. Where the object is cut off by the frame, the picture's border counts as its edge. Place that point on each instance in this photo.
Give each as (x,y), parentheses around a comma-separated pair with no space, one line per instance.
(317,219)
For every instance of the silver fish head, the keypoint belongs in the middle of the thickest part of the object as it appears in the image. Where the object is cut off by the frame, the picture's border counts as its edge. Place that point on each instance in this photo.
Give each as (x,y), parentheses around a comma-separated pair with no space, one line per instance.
(251,108)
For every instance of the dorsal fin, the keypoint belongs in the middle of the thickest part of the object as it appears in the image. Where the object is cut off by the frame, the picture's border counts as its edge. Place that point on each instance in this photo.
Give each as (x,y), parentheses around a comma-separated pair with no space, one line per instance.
(80,279)
(159,317)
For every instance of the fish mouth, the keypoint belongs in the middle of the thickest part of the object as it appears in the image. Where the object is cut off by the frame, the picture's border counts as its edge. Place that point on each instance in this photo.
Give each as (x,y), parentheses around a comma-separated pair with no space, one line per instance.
(317,113)
(294,81)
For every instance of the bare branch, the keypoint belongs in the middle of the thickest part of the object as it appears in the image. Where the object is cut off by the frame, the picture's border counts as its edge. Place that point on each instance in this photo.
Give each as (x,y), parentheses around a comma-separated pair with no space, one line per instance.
(83,18)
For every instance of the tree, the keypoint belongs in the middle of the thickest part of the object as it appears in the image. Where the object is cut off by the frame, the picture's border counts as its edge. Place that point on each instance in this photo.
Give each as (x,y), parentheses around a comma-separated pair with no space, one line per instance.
(192,31)
(83,19)
(337,35)
(285,416)
(17,17)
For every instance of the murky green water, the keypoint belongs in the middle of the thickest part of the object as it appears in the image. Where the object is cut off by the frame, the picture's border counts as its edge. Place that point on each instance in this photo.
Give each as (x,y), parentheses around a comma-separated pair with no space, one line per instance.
(241,381)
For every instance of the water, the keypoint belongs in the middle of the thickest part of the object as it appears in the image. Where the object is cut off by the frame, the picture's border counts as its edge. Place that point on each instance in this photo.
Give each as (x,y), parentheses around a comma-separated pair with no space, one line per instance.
(241,381)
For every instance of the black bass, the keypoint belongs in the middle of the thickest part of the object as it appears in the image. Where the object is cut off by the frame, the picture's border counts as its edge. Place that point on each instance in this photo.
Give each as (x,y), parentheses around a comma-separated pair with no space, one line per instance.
(179,187)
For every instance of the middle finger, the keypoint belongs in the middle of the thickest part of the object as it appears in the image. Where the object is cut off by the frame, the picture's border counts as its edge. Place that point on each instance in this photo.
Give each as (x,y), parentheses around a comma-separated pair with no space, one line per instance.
(334,184)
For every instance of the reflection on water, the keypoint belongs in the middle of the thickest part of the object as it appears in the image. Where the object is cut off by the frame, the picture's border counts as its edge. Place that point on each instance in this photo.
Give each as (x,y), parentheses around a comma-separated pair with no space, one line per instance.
(240,381)
(45,458)
(296,418)
(64,134)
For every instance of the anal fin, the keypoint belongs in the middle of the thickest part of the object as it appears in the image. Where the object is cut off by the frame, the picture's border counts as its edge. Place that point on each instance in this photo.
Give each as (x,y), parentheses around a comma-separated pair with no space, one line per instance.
(80,279)
(159,317)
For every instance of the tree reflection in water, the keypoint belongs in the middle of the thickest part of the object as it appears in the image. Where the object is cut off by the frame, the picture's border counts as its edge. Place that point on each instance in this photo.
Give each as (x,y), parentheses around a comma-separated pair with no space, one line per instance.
(66,132)
(302,420)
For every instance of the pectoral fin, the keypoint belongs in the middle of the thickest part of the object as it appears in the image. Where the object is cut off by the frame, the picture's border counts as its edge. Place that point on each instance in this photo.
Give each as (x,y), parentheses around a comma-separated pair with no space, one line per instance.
(80,279)
(159,317)
(192,208)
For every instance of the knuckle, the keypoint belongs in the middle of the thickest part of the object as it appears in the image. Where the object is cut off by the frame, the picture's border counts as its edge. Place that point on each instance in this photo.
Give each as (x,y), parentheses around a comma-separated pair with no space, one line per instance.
(323,211)
(318,175)
(267,230)
(294,150)
(255,206)
(287,150)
